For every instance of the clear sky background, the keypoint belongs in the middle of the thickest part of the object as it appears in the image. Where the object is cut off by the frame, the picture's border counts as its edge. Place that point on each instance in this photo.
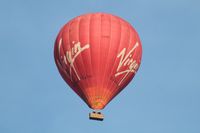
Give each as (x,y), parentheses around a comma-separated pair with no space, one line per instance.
(164,96)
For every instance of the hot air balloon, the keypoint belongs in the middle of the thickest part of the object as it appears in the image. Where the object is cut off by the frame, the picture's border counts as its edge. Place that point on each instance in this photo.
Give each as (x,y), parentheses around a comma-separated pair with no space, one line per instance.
(97,55)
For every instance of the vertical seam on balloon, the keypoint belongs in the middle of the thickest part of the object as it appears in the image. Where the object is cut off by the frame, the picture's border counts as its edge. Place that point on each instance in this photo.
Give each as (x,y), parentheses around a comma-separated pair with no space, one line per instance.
(95,71)
(108,86)
(106,63)
(99,48)
(92,89)
(68,33)
(95,79)
(100,59)
(86,79)
(84,91)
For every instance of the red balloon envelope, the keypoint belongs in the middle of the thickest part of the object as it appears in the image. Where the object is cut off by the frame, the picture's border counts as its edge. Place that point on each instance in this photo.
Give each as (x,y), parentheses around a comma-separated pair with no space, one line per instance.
(97,55)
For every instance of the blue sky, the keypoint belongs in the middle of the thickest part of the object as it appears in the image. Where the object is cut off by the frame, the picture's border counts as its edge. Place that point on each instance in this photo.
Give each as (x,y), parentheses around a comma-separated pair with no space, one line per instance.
(164,97)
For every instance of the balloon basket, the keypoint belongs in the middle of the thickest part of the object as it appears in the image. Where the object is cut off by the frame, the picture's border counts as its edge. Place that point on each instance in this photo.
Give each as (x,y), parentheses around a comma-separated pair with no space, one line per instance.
(96,116)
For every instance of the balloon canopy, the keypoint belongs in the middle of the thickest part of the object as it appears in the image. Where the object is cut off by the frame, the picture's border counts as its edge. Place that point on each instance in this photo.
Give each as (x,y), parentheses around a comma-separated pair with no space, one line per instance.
(97,55)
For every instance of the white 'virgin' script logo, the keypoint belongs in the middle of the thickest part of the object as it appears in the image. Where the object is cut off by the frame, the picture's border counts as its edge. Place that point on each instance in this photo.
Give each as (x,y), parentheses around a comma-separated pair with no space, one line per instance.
(72,54)
(127,60)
